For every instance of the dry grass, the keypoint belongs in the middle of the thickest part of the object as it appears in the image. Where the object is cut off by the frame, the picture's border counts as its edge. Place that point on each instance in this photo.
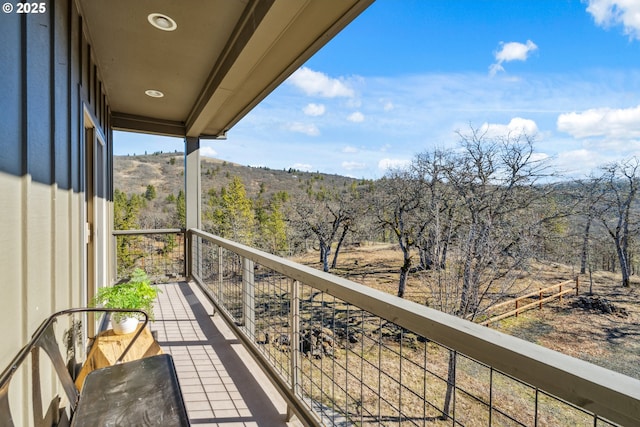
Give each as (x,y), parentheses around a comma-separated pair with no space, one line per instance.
(608,340)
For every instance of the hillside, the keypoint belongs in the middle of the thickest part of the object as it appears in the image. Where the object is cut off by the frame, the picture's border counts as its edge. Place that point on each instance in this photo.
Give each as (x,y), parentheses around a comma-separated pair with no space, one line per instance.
(165,171)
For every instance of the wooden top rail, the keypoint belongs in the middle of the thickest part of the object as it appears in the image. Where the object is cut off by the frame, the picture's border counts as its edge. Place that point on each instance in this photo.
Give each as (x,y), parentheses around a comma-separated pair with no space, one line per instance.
(531,294)
(148,231)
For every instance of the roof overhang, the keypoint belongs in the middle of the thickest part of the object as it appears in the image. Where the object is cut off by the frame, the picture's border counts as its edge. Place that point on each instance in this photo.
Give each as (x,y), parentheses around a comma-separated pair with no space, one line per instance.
(223,58)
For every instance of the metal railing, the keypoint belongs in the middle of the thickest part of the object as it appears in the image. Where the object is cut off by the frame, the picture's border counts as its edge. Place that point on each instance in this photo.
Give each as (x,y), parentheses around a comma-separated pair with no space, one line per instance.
(159,252)
(345,354)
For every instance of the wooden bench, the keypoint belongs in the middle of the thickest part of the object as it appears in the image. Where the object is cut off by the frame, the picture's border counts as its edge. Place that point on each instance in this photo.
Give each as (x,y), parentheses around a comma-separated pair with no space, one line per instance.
(139,392)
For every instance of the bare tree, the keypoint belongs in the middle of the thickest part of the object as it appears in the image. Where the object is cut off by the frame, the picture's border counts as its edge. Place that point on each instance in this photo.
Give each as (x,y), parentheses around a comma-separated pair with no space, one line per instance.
(438,210)
(356,204)
(590,193)
(328,216)
(497,181)
(399,198)
(493,187)
(621,181)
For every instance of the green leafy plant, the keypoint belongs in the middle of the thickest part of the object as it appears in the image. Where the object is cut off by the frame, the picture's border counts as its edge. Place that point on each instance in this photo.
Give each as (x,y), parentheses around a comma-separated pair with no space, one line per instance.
(136,293)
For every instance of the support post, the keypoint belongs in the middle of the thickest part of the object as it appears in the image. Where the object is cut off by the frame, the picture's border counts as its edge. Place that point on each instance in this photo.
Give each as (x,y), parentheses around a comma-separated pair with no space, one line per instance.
(192,191)
(540,304)
(248,298)
(219,294)
(294,314)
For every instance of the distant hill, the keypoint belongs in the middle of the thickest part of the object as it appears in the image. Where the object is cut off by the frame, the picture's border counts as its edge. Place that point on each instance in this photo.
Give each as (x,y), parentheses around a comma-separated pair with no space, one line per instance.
(165,171)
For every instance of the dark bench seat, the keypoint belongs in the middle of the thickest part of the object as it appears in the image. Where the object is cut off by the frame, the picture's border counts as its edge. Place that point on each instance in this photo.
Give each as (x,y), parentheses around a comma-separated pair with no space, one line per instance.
(143,392)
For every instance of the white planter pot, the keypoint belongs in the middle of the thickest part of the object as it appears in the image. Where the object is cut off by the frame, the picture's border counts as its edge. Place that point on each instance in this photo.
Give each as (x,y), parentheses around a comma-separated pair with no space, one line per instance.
(126,325)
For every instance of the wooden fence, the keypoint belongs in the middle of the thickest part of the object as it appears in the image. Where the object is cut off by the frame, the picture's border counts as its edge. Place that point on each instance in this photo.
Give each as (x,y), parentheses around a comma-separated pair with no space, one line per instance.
(542,298)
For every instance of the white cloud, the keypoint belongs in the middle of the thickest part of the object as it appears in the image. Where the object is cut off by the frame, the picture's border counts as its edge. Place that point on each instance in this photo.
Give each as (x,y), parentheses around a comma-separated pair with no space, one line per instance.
(495,69)
(356,117)
(578,162)
(512,51)
(606,122)
(315,83)
(208,152)
(516,126)
(349,149)
(428,110)
(608,13)
(314,110)
(387,105)
(538,157)
(305,128)
(353,165)
(386,164)
(302,167)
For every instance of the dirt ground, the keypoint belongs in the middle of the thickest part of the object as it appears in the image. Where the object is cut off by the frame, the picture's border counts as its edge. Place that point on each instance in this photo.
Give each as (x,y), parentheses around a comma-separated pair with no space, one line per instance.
(611,340)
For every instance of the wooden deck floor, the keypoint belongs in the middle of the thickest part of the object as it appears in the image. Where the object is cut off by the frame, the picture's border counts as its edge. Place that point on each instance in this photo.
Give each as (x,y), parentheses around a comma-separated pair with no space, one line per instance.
(221,384)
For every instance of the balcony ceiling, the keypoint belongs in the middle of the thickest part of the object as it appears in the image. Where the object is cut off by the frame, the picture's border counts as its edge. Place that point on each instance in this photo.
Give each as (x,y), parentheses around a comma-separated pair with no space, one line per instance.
(223,58)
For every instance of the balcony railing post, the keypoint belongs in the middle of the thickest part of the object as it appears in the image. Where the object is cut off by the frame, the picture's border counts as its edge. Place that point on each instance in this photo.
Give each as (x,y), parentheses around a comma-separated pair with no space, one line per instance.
(220,273)
(294,320)
(197,249)
(187,252)
(248,297)
(115,258)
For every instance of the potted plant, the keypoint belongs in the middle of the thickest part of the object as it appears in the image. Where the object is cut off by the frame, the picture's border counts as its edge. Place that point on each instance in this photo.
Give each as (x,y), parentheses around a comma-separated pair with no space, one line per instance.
(136,293)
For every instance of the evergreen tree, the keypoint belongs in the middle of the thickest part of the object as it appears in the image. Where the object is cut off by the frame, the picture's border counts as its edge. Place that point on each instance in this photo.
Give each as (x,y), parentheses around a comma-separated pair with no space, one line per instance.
(239,212)
(125,210)
(181,211)
(231,213)
(150,193)
(275,230)
(125,217)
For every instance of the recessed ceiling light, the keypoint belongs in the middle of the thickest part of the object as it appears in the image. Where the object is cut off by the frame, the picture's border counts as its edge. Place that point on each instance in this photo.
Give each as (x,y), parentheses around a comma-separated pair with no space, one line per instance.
(154,93)
(162,22)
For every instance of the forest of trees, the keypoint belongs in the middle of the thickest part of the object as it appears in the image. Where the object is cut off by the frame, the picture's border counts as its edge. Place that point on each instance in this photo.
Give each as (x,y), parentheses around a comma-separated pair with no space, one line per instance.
(473,217)
(467,222)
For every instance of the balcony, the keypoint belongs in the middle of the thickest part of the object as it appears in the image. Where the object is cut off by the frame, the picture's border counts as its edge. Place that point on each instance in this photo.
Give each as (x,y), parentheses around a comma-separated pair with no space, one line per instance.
(339,353)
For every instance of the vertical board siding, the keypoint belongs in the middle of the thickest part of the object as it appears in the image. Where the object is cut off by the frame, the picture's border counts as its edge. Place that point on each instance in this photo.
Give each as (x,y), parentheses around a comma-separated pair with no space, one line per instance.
(10,88)
(38,97)
(37,195)
(48,75)
(62,161)
(10,182)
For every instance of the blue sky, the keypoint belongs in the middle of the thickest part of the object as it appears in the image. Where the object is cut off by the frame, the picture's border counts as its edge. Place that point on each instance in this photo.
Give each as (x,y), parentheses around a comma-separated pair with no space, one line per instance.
(406,75)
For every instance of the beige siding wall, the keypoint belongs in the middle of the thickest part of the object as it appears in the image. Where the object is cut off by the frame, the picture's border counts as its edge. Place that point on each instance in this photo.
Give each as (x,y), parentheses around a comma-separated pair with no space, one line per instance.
(48,79)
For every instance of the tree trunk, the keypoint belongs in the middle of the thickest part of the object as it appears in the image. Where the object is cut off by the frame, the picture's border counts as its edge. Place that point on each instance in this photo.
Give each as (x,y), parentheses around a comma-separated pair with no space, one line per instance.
(624,264)
(443,257)
(585,246)
(404,272)
(325,251)
(451,381)
(465,295)
(426,259)
(338,246)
